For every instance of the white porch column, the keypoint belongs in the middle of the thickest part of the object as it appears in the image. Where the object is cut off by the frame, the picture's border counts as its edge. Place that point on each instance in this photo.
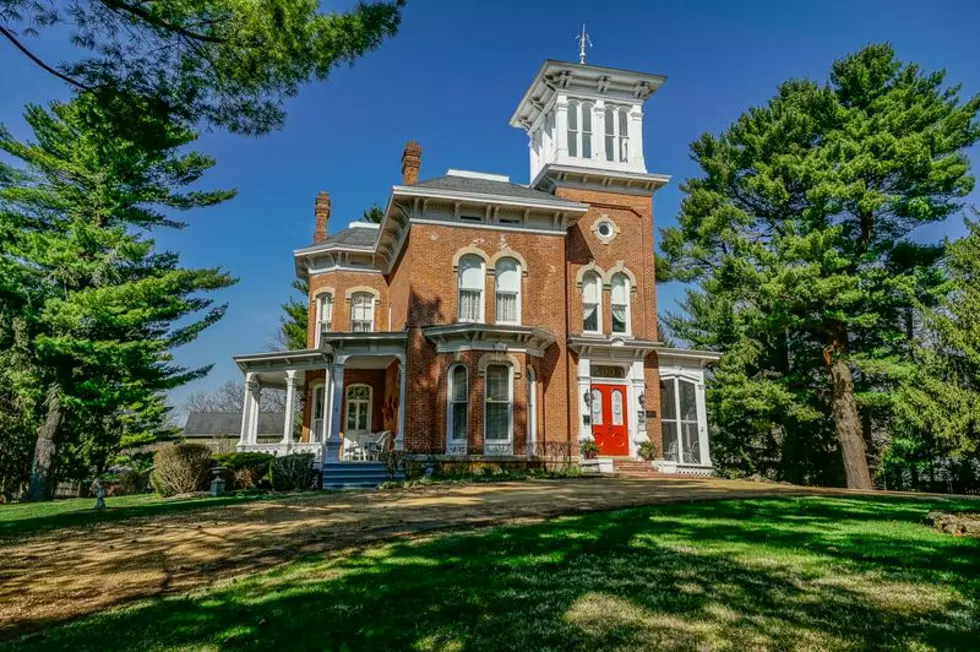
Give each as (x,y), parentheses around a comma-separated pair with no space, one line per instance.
(402,377)
(584,387)
(332,450)
(254,389)
(243,438)
(702,422)
(638,427)
(288,425)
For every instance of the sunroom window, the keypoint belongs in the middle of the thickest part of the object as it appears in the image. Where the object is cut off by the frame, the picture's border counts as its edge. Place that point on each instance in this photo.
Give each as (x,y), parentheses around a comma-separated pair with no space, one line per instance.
(679,416)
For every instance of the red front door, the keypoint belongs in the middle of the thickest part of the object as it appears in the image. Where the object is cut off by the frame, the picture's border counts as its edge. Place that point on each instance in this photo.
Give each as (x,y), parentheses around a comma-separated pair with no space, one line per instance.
(609,419)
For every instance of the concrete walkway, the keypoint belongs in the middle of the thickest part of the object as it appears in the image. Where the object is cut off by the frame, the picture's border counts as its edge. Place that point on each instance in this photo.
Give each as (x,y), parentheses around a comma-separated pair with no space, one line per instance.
(61,574)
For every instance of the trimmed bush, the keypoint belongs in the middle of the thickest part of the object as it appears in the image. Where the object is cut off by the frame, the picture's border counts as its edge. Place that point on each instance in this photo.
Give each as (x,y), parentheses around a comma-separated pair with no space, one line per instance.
(246,470)
(181,469)
(292,472)
(133,481)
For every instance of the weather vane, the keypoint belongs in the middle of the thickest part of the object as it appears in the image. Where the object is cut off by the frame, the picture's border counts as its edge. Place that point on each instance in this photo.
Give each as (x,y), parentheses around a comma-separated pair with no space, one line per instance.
(583,41)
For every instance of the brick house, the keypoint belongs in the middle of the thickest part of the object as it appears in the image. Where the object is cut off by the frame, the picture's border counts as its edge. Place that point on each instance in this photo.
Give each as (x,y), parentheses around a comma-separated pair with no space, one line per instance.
(489,319)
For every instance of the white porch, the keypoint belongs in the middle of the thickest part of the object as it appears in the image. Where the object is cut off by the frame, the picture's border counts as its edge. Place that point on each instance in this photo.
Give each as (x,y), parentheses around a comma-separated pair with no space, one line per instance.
(319,375)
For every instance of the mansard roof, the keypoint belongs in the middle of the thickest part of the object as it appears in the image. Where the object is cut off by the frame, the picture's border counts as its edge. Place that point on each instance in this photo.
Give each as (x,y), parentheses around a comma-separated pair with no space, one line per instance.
(358,235)
(454,183)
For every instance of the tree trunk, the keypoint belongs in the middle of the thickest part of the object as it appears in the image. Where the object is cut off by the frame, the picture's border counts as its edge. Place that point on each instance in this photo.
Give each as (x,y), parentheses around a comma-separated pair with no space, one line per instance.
(42,476)
(847,422)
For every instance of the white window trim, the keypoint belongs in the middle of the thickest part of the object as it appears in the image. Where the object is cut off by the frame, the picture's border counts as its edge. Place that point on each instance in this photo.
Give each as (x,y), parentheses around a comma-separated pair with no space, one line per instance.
(317,435)
(319,303)
(532,409)
(598,281)
(454,444)
(370,408)
(371,308)
(510,409)
(618,138)
(520,283)
(629,307)
(481,290)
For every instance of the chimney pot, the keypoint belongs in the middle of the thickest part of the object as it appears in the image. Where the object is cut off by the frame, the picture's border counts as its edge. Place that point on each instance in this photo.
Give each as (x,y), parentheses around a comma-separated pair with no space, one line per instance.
(411,161)
(321,209)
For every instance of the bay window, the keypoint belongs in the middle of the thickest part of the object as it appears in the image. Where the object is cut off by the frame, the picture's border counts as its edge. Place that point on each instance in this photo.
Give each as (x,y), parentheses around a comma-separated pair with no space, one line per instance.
(458,404)
(498,404)
(324,315)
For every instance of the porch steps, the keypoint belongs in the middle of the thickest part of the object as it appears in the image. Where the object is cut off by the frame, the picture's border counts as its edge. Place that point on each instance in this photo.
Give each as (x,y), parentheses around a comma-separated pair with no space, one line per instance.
(354,475)
(640,469)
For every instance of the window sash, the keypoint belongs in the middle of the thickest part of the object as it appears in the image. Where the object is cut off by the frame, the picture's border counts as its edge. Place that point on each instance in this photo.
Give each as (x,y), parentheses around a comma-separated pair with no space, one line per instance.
(470,305)
(620,313)
(362,313)
(590,318)
(498,404)
(506,309)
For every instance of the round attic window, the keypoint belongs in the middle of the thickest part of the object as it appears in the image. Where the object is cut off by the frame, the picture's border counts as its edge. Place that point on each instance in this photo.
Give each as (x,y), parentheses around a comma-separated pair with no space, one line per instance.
(605,229)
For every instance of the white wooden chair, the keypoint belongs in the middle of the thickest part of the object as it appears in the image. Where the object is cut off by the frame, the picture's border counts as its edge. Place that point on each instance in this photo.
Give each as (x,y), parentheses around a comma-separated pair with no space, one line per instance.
(378,443)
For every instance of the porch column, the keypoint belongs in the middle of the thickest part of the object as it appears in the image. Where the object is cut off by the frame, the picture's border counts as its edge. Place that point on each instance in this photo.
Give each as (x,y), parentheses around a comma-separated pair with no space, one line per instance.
(702,423)
(243,438)
(254,391)
(402,376)
(288,425)
(584,387)
(332,452)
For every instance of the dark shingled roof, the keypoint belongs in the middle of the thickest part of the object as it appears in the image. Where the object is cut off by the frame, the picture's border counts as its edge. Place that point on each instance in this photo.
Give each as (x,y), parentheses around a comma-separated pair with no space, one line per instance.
(218,424)
(485,187)
(353,236)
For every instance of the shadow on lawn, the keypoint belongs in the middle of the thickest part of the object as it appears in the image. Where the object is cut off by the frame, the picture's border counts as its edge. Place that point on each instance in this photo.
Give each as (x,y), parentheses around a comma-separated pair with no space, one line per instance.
(823,573)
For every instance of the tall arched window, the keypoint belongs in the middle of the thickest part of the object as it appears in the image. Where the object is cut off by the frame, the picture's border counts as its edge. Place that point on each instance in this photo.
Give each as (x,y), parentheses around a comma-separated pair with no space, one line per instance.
(317,411)
(471,288)
(620,303)
(679,413)
(498,401)
(532,412)
(358,409)
(591,303)
(458,404)
(573,130)
(324,315)
(617,134)
(580,129)
(362,312)
(507,303)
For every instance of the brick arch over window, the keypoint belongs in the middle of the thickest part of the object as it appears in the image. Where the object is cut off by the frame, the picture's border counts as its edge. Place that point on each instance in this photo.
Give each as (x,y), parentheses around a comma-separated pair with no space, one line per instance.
(585,269)
(467,250)
(498,358)
(324,290)
(618,268)
(508,253)
(357,289)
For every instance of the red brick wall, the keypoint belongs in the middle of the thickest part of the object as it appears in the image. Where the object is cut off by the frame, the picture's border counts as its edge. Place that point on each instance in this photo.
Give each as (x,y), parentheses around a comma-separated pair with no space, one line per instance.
(340,282)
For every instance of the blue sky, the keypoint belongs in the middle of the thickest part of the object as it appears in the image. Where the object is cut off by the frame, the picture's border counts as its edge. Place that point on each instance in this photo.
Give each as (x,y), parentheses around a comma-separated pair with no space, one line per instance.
(451,79)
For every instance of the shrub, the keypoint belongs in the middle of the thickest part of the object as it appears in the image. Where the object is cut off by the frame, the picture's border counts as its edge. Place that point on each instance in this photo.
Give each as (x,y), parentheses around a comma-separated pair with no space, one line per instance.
(133,481)
(393,462)
(181,469)
(588,449)
(292,472)
(246,470)
(647,450)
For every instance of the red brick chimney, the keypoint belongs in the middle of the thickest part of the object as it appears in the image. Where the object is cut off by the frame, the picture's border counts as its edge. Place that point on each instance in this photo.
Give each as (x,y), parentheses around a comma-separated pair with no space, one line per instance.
(411,160)
(321,208)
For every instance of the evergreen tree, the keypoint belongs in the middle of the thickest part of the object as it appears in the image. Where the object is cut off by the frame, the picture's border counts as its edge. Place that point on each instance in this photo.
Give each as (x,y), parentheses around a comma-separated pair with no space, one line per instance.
(798,234)
(90,308)
(225,62)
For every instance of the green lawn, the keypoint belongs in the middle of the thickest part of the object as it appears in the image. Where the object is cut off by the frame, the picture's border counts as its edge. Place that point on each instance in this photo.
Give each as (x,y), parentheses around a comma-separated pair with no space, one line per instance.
(22,518)
(782,573)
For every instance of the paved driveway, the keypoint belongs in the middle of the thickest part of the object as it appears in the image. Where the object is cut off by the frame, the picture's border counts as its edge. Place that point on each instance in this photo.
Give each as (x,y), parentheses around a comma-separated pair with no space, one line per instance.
(70,572)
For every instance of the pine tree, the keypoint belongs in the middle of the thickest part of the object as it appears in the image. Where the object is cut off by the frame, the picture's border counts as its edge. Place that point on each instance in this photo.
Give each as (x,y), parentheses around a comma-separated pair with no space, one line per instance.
(799,236)
(94,310)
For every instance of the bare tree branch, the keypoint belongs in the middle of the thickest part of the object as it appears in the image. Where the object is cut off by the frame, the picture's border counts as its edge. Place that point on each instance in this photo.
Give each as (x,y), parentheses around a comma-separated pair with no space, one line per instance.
(139,12)
(30,55)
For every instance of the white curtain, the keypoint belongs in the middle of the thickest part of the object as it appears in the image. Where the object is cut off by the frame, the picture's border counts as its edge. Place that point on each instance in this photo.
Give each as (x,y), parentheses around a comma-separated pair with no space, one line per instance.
(508,284)
(470,288)
(498,403)
(591,300)
(620,303)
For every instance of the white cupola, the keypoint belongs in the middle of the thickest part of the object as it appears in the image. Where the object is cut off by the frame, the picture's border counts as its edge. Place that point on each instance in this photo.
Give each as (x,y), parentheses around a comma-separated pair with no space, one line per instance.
(584,116)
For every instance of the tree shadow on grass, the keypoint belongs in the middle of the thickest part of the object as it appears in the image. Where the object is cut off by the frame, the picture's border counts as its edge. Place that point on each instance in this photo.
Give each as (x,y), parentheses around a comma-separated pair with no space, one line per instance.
(766,573)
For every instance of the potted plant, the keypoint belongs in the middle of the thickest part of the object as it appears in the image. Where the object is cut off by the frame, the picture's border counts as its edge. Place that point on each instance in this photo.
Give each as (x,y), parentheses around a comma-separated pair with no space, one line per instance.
(588,449)
(647,451)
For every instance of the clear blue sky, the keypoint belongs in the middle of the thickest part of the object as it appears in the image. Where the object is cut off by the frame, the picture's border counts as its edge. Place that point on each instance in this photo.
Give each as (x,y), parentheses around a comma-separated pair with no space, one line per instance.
(451,79)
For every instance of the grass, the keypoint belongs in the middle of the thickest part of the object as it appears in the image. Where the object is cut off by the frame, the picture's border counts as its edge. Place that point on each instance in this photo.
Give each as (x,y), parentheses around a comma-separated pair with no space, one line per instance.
(809,573)
(25,518)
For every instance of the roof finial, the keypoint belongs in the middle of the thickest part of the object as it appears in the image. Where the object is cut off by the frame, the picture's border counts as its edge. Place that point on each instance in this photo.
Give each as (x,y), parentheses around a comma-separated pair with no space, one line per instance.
(583,40)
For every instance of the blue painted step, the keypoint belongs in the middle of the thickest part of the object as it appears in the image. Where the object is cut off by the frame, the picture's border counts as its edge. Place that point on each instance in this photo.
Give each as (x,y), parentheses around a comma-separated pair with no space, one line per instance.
(354,474)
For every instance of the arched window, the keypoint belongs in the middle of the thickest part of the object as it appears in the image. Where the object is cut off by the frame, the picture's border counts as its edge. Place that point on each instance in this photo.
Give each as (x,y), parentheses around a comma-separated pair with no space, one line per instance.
(498,400)
(679,412)
(620,302)
(532,412)
(507,304)
(324,315)
(358,409)
(471,288)
(362,312)
(591,303)
(586,130)
(573,131)
(458,404)
(617,134)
